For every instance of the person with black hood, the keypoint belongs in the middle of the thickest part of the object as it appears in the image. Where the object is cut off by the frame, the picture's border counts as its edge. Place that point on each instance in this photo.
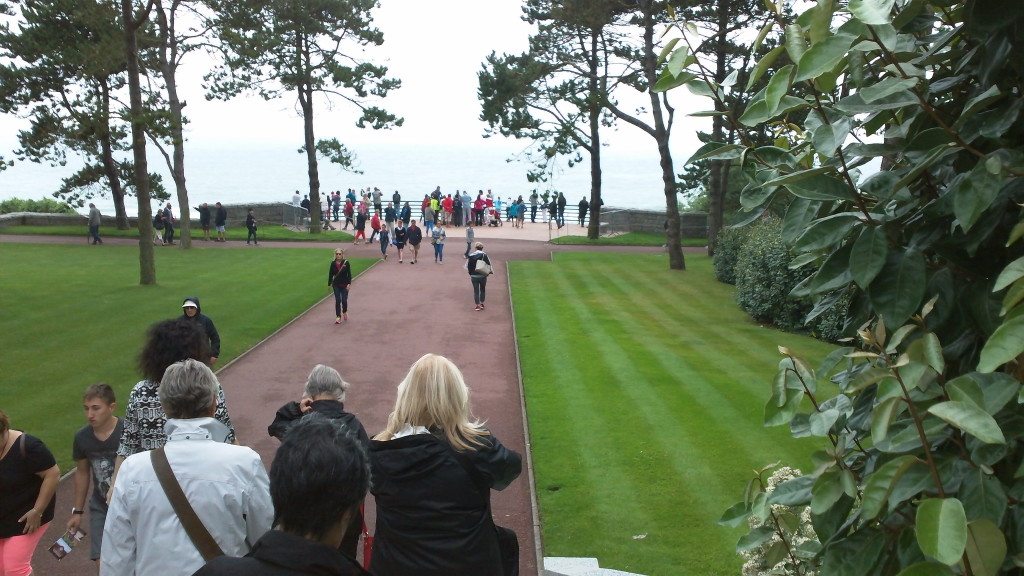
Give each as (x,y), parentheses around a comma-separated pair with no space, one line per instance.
(193,312)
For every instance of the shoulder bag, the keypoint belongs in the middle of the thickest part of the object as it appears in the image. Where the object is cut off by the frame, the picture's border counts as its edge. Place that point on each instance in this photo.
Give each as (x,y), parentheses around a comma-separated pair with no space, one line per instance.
(483,268)
(194,527)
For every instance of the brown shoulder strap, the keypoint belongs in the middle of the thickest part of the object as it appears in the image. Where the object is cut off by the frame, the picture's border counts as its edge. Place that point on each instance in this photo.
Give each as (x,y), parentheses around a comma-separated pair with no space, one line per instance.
(194,527)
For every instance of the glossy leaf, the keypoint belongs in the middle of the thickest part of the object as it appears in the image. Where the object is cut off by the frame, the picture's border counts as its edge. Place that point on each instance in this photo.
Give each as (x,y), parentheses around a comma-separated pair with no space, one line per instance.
(868,256)
(778,415)
(942,529)
(823,56)
(1013,272)
(754,538)
(821,187)
(986,547)
(736,514)
(779,86)
(898,289)
(764,64)
(886,87)
(970,419)
(983,496)
(927,569)
(933,352)
(794,42)
(872,12)
(882,416)
(795,492)
(1006,343)
(880,484)
(826,232)
(973,193)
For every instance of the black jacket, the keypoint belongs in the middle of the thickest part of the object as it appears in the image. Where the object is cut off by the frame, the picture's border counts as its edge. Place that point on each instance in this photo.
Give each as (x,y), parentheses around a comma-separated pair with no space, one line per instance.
(432,519)
(206,324)
(341,277)
(278,553)
(474,258)
(415,235)
(222,217)
(290,413)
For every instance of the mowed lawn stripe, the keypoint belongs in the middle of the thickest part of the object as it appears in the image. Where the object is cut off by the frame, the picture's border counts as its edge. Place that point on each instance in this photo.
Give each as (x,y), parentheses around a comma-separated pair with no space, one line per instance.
(680,375)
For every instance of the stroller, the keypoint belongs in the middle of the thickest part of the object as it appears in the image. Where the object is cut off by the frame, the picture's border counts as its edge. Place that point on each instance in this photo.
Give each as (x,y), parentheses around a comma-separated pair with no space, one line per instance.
(496,218)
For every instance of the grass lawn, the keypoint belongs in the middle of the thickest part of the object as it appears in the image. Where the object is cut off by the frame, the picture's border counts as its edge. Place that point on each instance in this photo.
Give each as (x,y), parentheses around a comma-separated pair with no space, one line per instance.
(234,233)
(76,315)
(645,390)
(629,239)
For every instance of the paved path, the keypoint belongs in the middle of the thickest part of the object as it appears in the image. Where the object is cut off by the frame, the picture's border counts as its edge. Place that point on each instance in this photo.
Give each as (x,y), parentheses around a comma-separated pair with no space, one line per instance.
(397,313)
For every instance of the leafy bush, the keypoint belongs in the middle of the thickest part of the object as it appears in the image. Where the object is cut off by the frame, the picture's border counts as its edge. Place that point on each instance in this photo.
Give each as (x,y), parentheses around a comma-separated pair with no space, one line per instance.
(764,279)
(727,250)
(44,206)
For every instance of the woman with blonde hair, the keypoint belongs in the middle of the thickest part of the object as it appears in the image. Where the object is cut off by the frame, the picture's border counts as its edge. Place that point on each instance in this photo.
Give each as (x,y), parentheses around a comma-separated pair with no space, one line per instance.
(433,467)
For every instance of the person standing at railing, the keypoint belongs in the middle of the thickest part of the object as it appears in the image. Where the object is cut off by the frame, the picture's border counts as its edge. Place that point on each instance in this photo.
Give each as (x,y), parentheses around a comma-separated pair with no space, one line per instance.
(534,199)
(584,206)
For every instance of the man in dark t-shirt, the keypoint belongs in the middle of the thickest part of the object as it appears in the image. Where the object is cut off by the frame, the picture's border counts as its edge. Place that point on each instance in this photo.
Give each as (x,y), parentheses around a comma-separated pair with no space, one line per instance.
(94,451)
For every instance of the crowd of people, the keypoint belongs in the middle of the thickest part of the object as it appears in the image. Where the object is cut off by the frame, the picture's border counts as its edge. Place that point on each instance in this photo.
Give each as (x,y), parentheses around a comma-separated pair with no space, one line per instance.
(169,490)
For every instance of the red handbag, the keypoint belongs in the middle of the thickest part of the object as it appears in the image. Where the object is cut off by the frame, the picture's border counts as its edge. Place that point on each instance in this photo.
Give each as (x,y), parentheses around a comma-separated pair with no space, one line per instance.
(367,542)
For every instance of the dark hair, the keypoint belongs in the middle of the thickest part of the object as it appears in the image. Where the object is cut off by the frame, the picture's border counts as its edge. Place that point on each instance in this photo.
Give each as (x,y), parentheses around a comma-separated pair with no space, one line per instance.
(320,472)
(100,390)
(169,341)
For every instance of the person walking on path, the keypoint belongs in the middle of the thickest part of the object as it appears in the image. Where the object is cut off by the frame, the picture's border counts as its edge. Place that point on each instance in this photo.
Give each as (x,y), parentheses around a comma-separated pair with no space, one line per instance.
(433,467)
(415,237)
(94,224)
(437,236)
(385,241)
(192,311)
(250,225)
(470,234)
(375,226)
(94,450)
(360,228)
(406,215)
(28,483)
(478,274)
(339,278)
(204,219)
(168,225)
(401,235)
(221,223)
(390,216)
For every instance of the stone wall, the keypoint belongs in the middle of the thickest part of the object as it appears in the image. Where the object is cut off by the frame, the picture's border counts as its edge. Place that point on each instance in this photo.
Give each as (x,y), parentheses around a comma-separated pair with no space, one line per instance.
(267,214)
(692,224)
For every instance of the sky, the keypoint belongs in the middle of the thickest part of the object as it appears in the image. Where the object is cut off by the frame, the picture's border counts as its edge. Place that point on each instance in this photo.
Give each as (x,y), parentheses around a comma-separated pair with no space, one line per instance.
(436,48)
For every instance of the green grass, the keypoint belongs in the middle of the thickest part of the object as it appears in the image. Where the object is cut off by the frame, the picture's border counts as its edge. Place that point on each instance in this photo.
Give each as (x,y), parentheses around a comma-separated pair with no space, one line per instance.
(76,315)
(629,239)
(275,233)
(645,390)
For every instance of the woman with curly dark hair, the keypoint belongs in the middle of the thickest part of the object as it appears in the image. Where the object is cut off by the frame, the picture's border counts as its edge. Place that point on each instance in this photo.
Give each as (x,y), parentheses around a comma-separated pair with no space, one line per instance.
(167,342)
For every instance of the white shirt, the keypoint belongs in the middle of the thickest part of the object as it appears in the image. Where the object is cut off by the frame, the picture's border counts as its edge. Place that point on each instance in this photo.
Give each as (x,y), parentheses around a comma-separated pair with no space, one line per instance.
(227,486)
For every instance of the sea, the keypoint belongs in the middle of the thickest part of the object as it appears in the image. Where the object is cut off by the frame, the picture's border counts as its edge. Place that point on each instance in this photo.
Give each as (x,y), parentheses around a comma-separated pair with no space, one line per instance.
(239,172)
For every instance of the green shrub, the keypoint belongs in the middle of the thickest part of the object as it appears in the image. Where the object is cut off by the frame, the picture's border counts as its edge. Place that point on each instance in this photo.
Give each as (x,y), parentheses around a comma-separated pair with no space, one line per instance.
(44,206)
(727,251)
(764,279)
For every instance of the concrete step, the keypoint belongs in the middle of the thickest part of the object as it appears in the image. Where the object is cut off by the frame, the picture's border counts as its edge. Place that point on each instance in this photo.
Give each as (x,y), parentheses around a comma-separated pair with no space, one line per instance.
(555,566)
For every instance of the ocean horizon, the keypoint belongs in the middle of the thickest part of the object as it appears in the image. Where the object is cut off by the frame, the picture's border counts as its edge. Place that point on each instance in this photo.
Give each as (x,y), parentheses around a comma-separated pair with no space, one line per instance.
(260,172)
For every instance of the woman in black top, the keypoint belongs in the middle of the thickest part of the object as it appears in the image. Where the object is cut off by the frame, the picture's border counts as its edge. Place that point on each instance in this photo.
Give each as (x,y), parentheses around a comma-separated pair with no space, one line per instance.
(339,277)
(401,234)
(478,277)
(432,471)
(28,483)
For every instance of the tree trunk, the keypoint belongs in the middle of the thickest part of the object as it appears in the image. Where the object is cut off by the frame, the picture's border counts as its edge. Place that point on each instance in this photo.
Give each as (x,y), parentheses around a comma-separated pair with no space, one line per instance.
(662,131)
(107,158)
(168,68)
(594,228)
(718,171)
(306,101)
(147,265)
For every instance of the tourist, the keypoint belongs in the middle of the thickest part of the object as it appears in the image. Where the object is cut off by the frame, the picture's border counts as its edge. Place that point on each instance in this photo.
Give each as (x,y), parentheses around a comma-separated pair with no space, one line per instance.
(406,214)
(467,208)
(221,222)
(385,241)
(479,277)
(433,467)
(415,236)
(376,200)
(584,206)
(339,278)
(204,219)
(534,198)
(95,218)
(374,226)
(158,228)
(470,233)
(28,483)
(428,217)
(250,225)
(360,227)
(226,485)
(400,236)
(324,394)
(191,310)
(390,216)
(169,225)
(94,450)
(437,237)
(349,212)
(561,209)
(167,342)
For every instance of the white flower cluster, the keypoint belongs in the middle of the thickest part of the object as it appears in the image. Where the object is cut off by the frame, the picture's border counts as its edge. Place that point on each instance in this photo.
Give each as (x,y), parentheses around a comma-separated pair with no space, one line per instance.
(756,560)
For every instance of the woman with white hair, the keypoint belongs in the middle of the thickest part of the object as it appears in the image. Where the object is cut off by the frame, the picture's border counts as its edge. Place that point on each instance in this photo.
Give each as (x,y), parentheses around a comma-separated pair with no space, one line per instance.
(433,468)
(325,394)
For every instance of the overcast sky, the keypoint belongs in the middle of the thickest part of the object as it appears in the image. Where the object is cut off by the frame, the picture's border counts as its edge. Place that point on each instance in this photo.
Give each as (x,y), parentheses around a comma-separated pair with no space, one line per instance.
(436,48)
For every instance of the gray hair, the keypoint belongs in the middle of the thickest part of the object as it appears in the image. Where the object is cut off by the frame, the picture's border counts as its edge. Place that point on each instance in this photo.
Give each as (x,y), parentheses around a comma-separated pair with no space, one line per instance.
(325,381)
(188,389)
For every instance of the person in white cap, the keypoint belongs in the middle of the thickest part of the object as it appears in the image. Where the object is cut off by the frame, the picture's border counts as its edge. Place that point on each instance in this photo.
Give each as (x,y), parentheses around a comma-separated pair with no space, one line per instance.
(193,312)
